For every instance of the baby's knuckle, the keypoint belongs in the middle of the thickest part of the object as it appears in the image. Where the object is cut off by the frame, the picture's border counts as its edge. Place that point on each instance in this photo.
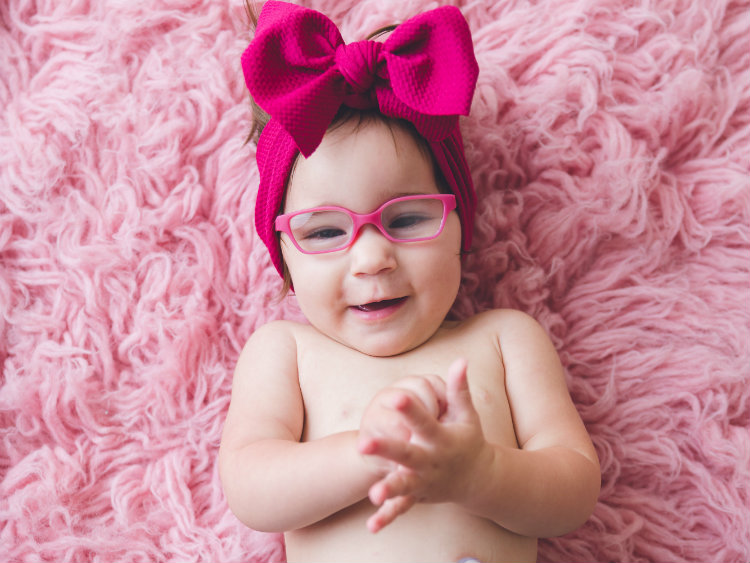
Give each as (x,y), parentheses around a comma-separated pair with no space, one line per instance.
(424,385)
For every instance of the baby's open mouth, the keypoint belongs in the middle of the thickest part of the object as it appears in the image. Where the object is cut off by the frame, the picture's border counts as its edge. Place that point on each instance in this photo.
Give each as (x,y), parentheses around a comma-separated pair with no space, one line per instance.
(379,305)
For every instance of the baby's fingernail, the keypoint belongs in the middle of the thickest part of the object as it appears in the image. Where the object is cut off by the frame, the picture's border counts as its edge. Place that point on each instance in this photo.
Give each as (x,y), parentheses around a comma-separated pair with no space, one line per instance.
(367,446)
(401,402)
(372,526)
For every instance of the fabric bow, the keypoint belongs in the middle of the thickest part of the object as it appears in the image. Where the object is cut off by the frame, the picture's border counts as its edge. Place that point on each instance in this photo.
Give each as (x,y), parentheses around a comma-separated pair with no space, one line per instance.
(424,72)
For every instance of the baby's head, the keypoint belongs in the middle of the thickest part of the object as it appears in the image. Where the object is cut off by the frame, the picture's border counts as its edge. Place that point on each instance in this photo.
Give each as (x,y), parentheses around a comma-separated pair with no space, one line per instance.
(374,135)
(349,122)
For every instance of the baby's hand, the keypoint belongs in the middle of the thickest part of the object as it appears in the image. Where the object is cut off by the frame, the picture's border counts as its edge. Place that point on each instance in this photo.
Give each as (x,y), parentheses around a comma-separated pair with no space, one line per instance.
(383,420)
(435,464)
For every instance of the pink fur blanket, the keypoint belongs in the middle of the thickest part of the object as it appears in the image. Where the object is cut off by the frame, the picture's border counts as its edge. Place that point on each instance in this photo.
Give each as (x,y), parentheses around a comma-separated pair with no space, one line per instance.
(609,143)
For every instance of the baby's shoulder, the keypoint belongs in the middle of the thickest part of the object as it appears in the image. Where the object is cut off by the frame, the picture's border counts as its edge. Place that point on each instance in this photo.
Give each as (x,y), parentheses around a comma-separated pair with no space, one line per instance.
(275,339)
(278,329)
(499,322)
(520,338)
(510,331)
(273,347)
(272,332)
(491,334)
(286,335)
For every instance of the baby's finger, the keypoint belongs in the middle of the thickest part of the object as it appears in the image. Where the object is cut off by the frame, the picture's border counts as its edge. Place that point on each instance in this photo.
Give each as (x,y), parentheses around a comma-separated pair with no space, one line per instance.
(460,405)
(387,513)
(398,483)
(429,389)
(416,416)
(397,451)
(438,386)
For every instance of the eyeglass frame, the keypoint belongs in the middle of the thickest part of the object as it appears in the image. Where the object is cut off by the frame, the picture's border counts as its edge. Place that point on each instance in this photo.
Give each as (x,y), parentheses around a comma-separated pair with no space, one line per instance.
(359,220)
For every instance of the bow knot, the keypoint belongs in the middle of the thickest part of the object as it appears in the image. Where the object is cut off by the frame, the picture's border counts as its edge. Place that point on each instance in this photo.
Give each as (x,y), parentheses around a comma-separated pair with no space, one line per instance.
(300,71)
(358,64)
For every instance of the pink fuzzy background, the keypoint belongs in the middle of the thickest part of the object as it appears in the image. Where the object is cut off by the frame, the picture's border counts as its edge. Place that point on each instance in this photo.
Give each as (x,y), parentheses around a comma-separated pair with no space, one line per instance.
(610,146)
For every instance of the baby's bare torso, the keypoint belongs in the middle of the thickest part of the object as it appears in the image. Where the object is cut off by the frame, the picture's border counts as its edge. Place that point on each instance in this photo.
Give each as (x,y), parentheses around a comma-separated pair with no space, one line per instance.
(337,384)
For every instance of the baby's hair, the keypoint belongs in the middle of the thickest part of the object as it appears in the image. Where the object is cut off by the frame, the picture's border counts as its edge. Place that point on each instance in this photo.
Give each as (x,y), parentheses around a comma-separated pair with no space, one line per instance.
(345,115)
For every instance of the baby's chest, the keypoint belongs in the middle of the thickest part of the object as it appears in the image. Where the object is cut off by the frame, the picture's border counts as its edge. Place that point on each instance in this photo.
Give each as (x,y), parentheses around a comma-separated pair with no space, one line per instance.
(337,395)
(337,390)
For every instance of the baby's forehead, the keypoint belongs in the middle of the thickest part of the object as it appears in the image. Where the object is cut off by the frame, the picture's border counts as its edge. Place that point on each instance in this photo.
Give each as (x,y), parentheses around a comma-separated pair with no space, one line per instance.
(374,158)
(369,146)
(399,131)
(388,137)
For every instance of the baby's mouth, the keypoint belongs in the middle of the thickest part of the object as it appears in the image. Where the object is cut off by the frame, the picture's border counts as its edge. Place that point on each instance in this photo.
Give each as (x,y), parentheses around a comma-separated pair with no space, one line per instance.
(379,305)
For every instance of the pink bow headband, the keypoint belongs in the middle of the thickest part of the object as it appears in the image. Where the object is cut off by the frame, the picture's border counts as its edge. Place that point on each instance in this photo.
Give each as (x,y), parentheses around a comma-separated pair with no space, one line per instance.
(300,71)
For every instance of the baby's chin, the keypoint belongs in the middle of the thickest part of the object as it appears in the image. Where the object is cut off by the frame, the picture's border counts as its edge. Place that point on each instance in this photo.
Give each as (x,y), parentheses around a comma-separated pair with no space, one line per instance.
(383,347)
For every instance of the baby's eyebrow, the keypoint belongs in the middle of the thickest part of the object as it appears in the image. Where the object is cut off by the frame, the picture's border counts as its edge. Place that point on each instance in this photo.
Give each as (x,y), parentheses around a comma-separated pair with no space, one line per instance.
(397,195)
(405,194)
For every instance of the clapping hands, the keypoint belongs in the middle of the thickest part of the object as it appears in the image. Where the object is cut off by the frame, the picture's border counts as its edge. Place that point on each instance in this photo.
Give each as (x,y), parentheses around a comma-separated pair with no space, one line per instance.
(423,437)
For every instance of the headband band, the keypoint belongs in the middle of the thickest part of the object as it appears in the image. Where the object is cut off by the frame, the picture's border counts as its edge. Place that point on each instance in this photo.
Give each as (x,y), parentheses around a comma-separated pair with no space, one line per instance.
(300,71)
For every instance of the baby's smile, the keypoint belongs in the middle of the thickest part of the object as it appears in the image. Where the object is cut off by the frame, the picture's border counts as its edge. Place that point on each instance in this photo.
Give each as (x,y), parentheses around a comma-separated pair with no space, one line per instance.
(379,305)
(378,310)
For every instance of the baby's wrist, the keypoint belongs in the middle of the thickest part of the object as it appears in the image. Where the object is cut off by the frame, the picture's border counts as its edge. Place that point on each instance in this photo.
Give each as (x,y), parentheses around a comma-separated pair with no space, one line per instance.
(478,476)
(377,467)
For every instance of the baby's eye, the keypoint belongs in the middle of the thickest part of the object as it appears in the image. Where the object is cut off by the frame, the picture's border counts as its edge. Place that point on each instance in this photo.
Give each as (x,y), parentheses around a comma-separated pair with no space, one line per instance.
(324,233)
(407,221)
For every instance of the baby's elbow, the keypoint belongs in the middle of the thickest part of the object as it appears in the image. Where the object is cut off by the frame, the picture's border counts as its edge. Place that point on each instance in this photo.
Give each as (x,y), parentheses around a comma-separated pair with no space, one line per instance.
(589,487)
(593,491)
(242,500)
(257,520)
(592,487)
(249,510)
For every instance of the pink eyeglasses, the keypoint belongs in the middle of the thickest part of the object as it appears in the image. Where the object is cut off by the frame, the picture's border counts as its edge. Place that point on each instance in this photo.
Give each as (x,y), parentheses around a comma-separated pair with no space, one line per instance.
(403,219)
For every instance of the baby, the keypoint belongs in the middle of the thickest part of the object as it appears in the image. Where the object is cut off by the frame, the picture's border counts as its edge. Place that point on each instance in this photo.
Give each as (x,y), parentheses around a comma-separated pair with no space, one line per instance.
(381,431)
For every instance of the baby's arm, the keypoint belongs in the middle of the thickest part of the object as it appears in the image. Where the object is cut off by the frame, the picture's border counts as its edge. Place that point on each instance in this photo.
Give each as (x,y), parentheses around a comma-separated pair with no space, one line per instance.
(272,481)
(547,487)
(550,485)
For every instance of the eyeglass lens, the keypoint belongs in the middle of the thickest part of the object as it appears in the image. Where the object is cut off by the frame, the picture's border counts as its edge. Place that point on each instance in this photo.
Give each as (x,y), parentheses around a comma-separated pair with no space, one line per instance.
(320,231)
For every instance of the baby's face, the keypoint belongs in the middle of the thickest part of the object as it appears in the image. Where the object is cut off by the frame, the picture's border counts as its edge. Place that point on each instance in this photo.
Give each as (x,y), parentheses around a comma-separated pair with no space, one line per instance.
(379,297)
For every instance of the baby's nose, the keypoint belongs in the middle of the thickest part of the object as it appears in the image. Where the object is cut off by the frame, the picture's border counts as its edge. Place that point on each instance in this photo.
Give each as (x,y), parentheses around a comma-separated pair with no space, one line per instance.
(371,253)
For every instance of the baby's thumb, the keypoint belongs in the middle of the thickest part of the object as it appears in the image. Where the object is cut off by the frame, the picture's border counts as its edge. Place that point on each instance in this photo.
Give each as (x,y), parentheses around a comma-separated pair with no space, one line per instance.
(458,395)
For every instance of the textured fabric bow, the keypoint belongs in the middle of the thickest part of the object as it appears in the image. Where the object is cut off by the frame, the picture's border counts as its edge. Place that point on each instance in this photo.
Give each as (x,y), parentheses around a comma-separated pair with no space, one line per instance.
(424,72)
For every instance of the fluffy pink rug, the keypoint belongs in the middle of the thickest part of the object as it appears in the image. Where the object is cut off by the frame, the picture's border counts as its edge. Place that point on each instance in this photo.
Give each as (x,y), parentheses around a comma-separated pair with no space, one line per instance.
(610,144)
